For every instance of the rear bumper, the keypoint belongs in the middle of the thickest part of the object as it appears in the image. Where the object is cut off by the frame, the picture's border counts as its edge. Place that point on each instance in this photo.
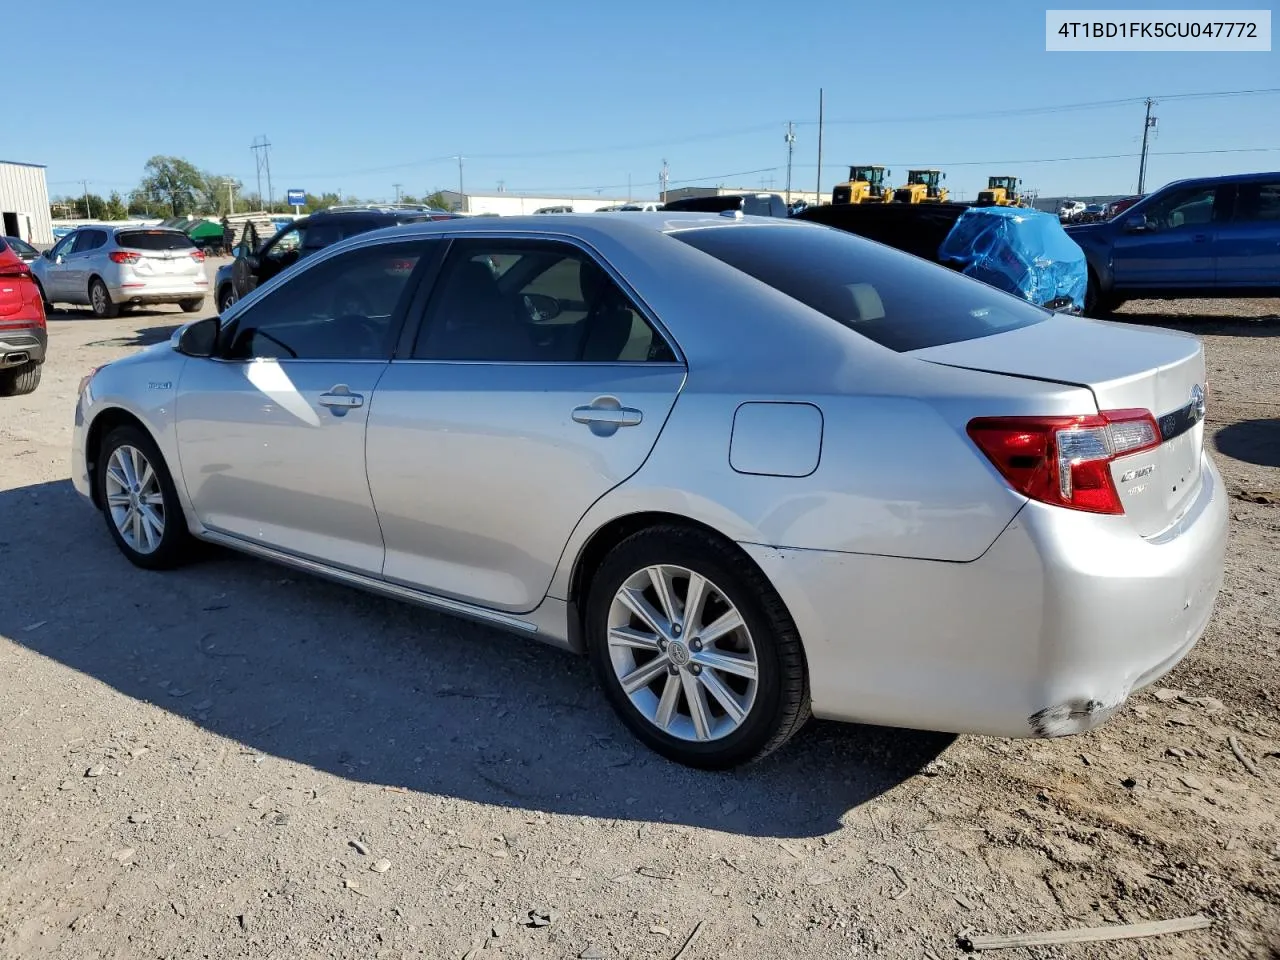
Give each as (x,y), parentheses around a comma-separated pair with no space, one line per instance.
(159,291)
(23,345)
(1046,634)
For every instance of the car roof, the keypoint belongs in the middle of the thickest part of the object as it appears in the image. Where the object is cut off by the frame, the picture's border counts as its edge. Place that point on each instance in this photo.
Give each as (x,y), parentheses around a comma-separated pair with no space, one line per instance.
(660,221)
(1224,178)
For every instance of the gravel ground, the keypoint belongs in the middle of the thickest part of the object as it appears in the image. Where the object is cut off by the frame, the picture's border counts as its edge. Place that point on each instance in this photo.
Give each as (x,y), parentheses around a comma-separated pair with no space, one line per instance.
(235,760)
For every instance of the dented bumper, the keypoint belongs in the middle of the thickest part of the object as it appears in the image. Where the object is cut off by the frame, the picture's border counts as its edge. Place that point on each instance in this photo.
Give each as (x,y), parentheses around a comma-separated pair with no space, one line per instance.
(1047,634)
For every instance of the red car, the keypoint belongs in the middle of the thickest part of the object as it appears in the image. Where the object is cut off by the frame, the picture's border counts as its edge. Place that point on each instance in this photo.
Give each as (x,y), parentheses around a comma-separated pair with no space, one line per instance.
(1117,207)
(23,333)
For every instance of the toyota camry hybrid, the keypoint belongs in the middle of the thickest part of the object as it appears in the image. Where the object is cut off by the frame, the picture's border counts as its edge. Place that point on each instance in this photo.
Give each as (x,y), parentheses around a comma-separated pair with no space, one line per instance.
(755,469)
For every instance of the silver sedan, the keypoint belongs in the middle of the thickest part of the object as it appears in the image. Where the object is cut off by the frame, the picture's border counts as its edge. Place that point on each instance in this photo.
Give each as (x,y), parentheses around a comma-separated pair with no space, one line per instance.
(755,469)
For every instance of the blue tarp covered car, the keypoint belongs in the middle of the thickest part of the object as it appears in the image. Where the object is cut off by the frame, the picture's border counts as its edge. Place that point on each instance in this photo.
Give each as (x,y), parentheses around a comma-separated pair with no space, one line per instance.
(1022,251)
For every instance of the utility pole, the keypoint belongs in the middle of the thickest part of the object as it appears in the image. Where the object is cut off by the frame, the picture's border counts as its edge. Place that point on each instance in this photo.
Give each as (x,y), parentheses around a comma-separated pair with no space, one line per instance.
(461,191)
(397,186)
(791,147)
(1148,125)
(231,194)
(664,178)
(819,188)
(261,148)
(88,210)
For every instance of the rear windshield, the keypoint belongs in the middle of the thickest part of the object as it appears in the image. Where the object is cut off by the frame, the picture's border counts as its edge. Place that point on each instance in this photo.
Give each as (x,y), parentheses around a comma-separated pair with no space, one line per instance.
(897,300)
(153,240)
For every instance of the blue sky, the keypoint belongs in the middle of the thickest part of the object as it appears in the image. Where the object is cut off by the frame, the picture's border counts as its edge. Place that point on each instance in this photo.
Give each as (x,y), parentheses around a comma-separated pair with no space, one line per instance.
(568,94)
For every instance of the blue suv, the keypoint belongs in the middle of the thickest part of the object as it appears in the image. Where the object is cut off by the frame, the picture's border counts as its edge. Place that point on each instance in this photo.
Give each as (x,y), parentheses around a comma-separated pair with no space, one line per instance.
(1208,237)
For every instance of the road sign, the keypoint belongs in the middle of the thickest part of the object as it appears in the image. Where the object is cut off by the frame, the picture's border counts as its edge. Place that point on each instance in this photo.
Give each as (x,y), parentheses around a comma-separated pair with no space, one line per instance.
(297,198)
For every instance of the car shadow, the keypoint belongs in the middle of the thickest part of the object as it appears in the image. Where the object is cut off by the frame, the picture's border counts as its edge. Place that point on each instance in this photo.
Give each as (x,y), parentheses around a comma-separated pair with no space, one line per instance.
(386,693)
(1251,441)
(1205,324)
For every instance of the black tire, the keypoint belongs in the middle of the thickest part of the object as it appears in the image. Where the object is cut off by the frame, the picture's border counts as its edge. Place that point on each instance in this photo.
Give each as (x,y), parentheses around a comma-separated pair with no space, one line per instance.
(781,705)
(176,543)
(226,297)
(18,381)
(100,301)
(191,306)
(48,307)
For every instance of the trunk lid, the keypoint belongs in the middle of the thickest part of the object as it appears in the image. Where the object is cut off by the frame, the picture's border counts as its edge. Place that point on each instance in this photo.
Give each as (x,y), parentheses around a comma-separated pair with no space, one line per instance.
(161,253)
(1125,367)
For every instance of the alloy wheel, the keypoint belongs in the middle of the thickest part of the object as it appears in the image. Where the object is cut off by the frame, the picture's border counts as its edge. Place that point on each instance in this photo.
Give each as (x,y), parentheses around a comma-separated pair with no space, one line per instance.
(134,499)
(682,653)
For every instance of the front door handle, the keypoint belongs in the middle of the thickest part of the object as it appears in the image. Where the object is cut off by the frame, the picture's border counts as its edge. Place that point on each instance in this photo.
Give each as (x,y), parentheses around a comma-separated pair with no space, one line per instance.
(340,399)
(604,415)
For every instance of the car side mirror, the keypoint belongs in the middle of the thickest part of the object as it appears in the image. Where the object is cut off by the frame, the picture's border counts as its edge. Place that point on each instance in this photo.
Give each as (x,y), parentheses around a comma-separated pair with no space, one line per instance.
(200,339)
(1139,224)
(541,307)
(45,254)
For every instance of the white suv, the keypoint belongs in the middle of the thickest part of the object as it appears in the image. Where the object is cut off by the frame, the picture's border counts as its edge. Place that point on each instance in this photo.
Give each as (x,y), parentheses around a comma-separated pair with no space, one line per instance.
(108,268)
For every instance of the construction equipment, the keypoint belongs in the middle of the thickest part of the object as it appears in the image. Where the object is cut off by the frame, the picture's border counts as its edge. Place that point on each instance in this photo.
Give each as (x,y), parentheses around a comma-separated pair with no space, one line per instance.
(1001,192)
(866,184)
(922,186)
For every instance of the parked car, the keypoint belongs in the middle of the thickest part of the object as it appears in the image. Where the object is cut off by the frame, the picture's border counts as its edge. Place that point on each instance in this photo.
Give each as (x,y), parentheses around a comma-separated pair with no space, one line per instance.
(648,206)
(888,493)
(1070,209)
(108,268)
(24,250)
(1205,237)
(1019,250)
(24,336)
(1117,207)
(751,204)
(301,238)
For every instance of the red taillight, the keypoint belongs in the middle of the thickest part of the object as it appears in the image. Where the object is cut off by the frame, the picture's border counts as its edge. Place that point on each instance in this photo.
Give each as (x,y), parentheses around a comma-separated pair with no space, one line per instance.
(13,268)
(1065,461)
(124,256)
(197,256)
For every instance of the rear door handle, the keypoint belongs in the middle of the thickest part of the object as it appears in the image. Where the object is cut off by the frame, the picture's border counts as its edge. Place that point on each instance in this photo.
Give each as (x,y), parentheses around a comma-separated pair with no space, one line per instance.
(340,399)
(622,417)
(604,415)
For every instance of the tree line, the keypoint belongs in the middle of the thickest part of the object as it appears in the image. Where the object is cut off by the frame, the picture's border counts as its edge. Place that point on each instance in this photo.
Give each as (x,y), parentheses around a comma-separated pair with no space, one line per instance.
(175,187)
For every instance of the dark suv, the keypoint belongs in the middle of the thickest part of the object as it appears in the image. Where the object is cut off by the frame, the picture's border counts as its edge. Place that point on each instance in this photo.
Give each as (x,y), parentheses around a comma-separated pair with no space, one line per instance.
(751,204)
(302,238)
(1208,237)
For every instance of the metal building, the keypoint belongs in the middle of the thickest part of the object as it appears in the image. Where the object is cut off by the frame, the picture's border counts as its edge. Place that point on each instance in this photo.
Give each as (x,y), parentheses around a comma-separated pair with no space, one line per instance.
(24,203)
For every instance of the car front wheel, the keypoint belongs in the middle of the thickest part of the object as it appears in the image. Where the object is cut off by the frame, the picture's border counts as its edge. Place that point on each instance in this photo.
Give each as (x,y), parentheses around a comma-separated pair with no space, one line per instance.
(695,650)
(140,502)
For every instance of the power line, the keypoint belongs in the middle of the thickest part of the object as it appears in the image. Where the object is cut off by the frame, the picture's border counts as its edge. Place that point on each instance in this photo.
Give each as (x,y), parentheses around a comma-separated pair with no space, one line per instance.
(1051,108)
(1100,156)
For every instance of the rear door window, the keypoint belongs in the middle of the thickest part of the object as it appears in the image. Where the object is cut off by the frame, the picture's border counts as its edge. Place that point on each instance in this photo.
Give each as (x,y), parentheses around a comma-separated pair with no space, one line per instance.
(154,240)
(1258,201)
(893,298)
(88,240)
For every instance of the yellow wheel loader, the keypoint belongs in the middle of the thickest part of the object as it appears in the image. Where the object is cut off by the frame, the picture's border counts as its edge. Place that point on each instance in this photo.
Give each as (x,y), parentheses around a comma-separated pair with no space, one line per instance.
(922,186)
(866,184)
(1001,192)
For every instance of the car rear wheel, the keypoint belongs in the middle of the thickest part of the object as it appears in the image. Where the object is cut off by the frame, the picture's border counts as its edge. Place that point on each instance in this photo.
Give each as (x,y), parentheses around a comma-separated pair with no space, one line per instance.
(100,301)
(191,306)
(695,650)
(48,307)
(17,381)
(140,502)
(226,297)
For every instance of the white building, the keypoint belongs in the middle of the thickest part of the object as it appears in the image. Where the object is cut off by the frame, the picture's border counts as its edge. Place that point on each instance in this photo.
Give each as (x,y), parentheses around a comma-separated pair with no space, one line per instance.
(24,203)
(514,204)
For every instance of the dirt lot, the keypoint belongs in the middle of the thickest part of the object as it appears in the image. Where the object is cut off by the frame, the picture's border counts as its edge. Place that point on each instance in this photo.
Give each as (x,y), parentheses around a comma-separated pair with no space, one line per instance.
(237,761)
